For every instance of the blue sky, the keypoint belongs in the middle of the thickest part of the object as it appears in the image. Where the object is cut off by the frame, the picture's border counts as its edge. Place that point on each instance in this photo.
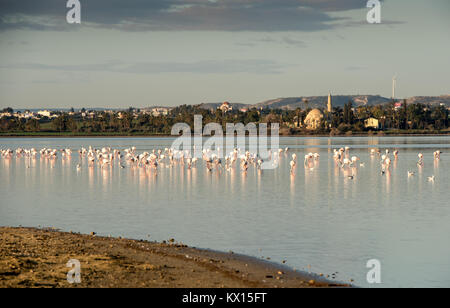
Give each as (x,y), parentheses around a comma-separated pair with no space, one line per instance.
(170,52)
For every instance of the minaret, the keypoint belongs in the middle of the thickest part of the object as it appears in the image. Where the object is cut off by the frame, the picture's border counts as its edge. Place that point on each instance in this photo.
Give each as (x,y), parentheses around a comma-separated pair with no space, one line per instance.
(394,85)
(330,104)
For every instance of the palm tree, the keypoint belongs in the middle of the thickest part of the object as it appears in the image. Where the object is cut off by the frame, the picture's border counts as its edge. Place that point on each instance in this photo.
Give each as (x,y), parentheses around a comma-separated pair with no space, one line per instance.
(306,102)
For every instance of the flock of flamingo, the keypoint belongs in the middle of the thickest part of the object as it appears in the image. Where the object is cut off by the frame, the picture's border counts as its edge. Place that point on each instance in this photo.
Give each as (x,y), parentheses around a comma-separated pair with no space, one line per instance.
(107,157)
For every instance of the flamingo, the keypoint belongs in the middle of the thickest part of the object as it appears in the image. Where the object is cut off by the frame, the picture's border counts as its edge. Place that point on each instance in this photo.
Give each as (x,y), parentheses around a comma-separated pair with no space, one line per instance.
(437,155)
(308,158)
(396,154)
(292,164)
(260,162)
(244,165)
(336,155)
(346,162)
(189,163)
(347,149)
(388,162)
(420,162)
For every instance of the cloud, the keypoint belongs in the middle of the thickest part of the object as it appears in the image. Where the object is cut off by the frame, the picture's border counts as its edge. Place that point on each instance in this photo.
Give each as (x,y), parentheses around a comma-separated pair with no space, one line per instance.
(335,6)
(355,68)
(199,67)
(293,42)
(179,15)
(266,39)
(286,40)
(384,22)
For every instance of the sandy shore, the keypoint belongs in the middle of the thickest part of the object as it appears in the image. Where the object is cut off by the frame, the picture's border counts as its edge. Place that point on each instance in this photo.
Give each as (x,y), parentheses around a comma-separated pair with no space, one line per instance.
(32,257)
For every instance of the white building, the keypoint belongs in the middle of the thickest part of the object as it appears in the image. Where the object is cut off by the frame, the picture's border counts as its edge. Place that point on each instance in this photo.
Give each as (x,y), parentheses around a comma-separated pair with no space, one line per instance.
(156,112)
(44,113)
(5,115)
(26,115)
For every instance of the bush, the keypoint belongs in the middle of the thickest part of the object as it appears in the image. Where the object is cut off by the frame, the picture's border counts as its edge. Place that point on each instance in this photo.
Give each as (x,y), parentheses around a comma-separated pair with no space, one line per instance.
(285,131)
(335,132)
(344,127)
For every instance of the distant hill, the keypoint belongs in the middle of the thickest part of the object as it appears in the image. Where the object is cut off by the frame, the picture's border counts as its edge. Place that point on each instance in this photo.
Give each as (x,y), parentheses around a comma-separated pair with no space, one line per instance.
(430,100)
(292,103)
(321,101)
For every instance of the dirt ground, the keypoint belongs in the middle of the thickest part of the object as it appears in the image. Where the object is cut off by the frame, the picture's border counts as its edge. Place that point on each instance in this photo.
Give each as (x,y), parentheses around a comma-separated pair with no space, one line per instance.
(38,257)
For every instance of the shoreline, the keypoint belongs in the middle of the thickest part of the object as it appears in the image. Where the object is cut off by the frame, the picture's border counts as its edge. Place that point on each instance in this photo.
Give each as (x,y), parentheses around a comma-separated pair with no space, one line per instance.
(59,136)
(32,257)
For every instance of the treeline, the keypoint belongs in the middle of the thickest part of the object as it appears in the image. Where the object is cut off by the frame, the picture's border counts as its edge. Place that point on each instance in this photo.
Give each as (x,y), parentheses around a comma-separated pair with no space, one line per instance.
(348,119)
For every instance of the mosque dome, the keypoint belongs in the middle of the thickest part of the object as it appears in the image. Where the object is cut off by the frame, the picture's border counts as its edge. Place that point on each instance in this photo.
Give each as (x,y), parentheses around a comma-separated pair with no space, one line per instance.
(313,119)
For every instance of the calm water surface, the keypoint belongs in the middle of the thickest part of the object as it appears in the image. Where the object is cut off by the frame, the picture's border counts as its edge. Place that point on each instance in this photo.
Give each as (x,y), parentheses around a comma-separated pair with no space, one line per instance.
(316,217)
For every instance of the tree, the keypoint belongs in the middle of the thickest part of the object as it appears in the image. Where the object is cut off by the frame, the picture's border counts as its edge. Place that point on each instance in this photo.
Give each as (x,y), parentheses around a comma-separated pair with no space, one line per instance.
(72,125)
(60,123)
(32,125)
(439,117)
(348,113)
(306,102)
(126,122)
(272,118)
(252,116)
(8,110)
(297,117)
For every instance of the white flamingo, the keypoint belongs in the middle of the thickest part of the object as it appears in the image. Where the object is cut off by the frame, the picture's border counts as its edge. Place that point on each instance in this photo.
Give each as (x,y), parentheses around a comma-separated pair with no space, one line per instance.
(437,155)
(292,164)
(420,162)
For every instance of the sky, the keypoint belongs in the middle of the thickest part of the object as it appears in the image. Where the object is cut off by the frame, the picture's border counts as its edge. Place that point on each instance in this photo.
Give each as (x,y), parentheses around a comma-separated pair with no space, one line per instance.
(171,52)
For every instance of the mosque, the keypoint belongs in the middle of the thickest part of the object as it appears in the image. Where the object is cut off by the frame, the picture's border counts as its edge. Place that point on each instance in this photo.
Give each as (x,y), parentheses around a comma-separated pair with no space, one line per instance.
(315,116)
